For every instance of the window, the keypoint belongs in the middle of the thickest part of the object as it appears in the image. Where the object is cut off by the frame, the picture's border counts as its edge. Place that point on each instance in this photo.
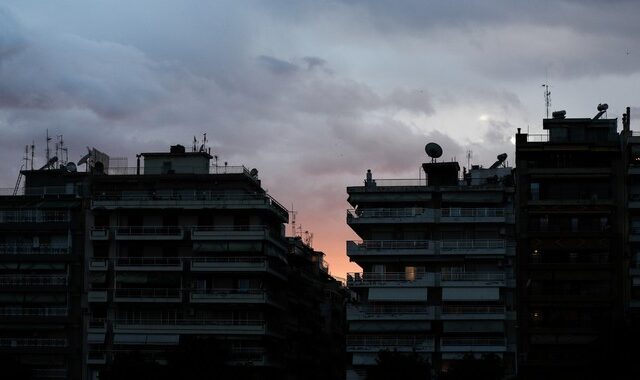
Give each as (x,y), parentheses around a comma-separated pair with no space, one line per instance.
(535,191)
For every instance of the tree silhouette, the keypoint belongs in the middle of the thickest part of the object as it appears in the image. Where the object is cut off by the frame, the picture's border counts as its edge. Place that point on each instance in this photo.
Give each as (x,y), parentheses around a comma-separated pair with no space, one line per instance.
(395,365)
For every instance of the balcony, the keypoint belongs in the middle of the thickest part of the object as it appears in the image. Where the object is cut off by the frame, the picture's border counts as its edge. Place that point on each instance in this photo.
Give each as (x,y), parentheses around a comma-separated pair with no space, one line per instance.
(229,296)
(390,247)
(98,265)
(20,311)
(32,342)
(27,280)
(251,232)
(473,215)
(472,279)
(190,199)
(235,264)
(97,357)
(191,326)
(390,215)
(99,233)
(473,345)
(49,373)
(390,279)
(152,295)
(473,247)
(97,326)
(634,234)
(29,249)
(402,343)
(97,295)
(473,312)
(34,216)
(155,264)
(149,233)
(390,312)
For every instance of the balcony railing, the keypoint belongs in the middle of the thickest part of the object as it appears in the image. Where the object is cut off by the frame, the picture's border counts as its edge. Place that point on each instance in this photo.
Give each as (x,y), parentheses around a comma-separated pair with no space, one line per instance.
(401,182)
(538,138)
(33,216)
(384,213)
(168,293)
(32,280)
(448,342)
(393,244)
(472,276)
(370,278)
(377,342)
(153,262)
(471,309)
(33,342)
(394,310)
(29,249)
(180,169)
(223,292)
(473,212)
(179,198)
(457,245)
(177,322)
(50,373)
(40,191)
(33,311)
(144,231)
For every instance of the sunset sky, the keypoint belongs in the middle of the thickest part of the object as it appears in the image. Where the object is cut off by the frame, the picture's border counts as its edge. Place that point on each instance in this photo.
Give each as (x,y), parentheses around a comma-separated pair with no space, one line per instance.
(312,93)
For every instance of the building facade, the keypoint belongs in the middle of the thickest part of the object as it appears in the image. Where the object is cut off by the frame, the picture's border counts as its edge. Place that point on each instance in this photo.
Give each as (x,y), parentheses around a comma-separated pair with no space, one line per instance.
(438,261)
(172,265)
(572,244)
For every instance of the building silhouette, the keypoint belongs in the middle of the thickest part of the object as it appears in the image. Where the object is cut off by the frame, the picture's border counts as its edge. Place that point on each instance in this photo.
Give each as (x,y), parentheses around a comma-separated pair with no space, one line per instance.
(438,259)
(156,266)
(572,240)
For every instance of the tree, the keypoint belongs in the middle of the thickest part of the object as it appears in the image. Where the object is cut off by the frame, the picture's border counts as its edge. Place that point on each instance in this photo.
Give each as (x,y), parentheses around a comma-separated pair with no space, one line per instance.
(395,365)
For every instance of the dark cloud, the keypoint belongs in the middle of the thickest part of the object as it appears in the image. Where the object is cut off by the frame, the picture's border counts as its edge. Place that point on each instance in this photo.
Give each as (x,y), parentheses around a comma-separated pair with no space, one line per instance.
(277,66)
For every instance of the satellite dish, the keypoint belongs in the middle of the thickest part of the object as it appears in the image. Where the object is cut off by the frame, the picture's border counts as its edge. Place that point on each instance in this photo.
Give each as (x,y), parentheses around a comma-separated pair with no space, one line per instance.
(254,172)
(71,167)
(433,150)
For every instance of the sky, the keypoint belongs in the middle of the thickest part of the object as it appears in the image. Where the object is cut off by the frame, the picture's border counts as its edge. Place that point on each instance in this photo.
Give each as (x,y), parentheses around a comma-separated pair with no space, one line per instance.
(311,93)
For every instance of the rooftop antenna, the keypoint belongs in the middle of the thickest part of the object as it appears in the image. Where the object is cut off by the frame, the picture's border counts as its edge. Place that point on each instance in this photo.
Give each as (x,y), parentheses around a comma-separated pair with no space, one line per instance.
(469,155)
(48,153)
(33,149)
(547,97)
(293,220)
(195,143)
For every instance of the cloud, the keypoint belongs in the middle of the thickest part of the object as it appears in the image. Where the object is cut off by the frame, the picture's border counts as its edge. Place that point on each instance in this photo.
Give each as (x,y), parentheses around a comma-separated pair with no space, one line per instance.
(277,66)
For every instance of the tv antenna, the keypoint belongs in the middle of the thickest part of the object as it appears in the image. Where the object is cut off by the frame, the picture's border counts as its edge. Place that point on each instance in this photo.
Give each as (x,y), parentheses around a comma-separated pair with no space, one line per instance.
(469,155)
(293,220)
(547,97)
(48,152)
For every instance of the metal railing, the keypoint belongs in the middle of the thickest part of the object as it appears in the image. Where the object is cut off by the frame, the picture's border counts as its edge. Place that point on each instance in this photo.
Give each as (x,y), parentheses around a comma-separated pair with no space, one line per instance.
(394,309)
(482,212)
(393,244)
(187,322)
(471,309)
(32,280)
(537,138)
(447,342)
(466,276)
(33,311)
(40,191)
(49,373)
(223,292)
(401,182)
(29,249)
(388,341)
(472,244)
(213,169)
(229,228)
(373,277)
(149,230)
(384,212)
(147,292)
(32,342)
(33,216)
(148,261)
(229,260)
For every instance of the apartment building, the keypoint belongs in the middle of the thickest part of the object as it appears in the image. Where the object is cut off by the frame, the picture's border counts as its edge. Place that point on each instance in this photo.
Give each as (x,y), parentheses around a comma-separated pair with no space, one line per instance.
(41,254)
(437,258)
(118,265)
(571,244)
